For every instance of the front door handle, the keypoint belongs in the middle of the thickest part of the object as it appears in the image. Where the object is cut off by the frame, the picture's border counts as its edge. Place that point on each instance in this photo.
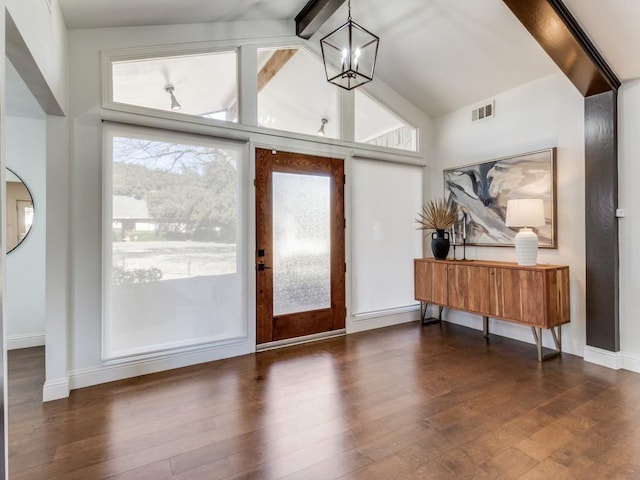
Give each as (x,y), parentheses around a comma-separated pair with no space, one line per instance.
(262,267)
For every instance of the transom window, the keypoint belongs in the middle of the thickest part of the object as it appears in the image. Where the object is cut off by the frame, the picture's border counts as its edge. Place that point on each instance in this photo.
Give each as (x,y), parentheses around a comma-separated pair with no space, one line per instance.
(294,95)
(375,124)
(204,85)
(291,94)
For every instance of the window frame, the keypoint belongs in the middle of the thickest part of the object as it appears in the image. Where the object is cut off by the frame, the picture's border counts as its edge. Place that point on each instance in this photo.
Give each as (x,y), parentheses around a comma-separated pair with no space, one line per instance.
(247,95)
(393,112)
(338,95)
(109,57)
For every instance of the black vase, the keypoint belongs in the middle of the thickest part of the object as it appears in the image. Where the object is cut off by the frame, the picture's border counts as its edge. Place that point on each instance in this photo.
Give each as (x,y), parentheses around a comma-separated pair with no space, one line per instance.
(440,244)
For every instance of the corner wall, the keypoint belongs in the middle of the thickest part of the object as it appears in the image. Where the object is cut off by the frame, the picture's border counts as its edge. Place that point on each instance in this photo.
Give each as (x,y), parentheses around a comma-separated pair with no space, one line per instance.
(545,113)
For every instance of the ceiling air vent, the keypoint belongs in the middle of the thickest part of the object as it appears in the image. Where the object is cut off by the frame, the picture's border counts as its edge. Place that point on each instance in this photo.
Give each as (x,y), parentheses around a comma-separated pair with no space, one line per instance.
(485,111)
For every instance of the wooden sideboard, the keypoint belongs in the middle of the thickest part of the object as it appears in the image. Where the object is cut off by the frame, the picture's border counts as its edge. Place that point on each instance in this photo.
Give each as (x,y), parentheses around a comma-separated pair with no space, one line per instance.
(537,296)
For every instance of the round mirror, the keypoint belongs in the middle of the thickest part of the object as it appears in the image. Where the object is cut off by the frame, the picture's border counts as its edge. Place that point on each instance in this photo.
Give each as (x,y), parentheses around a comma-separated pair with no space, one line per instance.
(19,210)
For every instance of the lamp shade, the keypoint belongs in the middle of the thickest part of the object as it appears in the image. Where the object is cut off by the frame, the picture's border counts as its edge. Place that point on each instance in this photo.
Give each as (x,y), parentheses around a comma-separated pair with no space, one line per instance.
(525,212)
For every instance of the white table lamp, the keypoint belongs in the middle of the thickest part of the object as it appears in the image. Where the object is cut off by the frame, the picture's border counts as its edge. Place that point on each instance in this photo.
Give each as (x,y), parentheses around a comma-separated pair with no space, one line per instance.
(525,213)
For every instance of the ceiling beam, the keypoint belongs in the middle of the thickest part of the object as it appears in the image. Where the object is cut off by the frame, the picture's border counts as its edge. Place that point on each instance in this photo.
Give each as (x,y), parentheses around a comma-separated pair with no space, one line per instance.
(313,15)
(560,35)
(269,70)
(274,65)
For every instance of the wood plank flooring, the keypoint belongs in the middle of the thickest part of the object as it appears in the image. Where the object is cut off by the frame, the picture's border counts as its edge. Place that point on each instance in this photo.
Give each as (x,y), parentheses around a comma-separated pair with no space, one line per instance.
(404,402)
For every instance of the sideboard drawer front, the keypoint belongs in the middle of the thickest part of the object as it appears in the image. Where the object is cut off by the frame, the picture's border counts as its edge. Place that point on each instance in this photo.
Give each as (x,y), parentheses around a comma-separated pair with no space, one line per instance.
(469,288)
(430,282)
(423,284)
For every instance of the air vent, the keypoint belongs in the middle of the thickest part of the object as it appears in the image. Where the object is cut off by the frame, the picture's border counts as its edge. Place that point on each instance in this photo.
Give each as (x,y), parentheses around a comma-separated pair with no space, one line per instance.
(485,111)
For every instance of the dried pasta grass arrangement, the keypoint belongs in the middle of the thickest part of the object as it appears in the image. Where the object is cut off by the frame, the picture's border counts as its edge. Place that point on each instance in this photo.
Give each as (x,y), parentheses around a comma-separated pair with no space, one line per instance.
(438,214)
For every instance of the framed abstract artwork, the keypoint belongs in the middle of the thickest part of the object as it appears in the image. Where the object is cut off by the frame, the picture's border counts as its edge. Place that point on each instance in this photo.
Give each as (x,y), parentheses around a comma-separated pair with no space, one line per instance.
(482,190)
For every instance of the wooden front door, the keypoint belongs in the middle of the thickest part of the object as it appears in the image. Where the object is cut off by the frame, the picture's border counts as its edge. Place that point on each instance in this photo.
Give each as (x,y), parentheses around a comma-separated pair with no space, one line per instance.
(300,265)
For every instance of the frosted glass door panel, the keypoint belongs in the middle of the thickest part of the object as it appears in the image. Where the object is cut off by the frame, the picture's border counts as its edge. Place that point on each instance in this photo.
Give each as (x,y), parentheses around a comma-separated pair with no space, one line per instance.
(301,243)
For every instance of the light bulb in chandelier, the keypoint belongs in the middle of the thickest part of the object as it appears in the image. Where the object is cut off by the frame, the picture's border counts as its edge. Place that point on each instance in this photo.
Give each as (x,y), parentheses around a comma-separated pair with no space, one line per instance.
(175,105)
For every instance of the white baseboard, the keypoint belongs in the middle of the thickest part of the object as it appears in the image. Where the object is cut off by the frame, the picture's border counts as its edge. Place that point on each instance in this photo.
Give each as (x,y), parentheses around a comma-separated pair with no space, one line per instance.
(631,362)
(29,340)
(614,360)
(383,318)
(573,347)
(605,358)
(134,368)
(515,331)
(55,389)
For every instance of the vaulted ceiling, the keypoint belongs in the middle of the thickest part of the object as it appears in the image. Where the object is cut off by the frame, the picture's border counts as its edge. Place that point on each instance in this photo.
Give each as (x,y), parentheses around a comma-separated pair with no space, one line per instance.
(440,54)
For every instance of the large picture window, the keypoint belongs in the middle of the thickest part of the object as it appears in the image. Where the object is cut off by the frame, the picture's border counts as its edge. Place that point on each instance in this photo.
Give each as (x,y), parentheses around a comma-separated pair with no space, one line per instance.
(173,251)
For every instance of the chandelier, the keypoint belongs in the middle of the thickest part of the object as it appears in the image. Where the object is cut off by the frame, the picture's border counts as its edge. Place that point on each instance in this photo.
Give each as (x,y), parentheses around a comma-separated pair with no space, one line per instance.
(351,50)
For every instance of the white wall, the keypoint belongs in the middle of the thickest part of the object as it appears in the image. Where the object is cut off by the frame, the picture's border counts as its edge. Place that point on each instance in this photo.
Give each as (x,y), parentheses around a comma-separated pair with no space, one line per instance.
(85,171)
(25,267)
(629,226)
(25,272)
(548,112)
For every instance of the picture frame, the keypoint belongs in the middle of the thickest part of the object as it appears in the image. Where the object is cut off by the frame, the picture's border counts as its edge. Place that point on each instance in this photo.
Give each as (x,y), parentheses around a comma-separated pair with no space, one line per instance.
(481,191)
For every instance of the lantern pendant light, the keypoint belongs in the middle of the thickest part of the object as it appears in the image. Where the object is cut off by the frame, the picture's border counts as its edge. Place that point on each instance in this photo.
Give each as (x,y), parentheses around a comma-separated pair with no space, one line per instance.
(351,50)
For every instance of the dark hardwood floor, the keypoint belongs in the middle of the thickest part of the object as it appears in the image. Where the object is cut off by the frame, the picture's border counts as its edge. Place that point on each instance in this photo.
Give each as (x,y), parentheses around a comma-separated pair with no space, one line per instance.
(396,403)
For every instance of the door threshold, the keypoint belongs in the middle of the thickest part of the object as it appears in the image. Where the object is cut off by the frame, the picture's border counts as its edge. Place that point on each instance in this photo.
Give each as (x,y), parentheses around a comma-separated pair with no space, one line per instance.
(298,340)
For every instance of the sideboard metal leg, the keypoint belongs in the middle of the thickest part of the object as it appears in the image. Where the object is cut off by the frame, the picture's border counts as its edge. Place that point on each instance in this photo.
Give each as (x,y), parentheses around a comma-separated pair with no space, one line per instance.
(560,337)
(485,326)
(537,335)
(424,307)
(557,339)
